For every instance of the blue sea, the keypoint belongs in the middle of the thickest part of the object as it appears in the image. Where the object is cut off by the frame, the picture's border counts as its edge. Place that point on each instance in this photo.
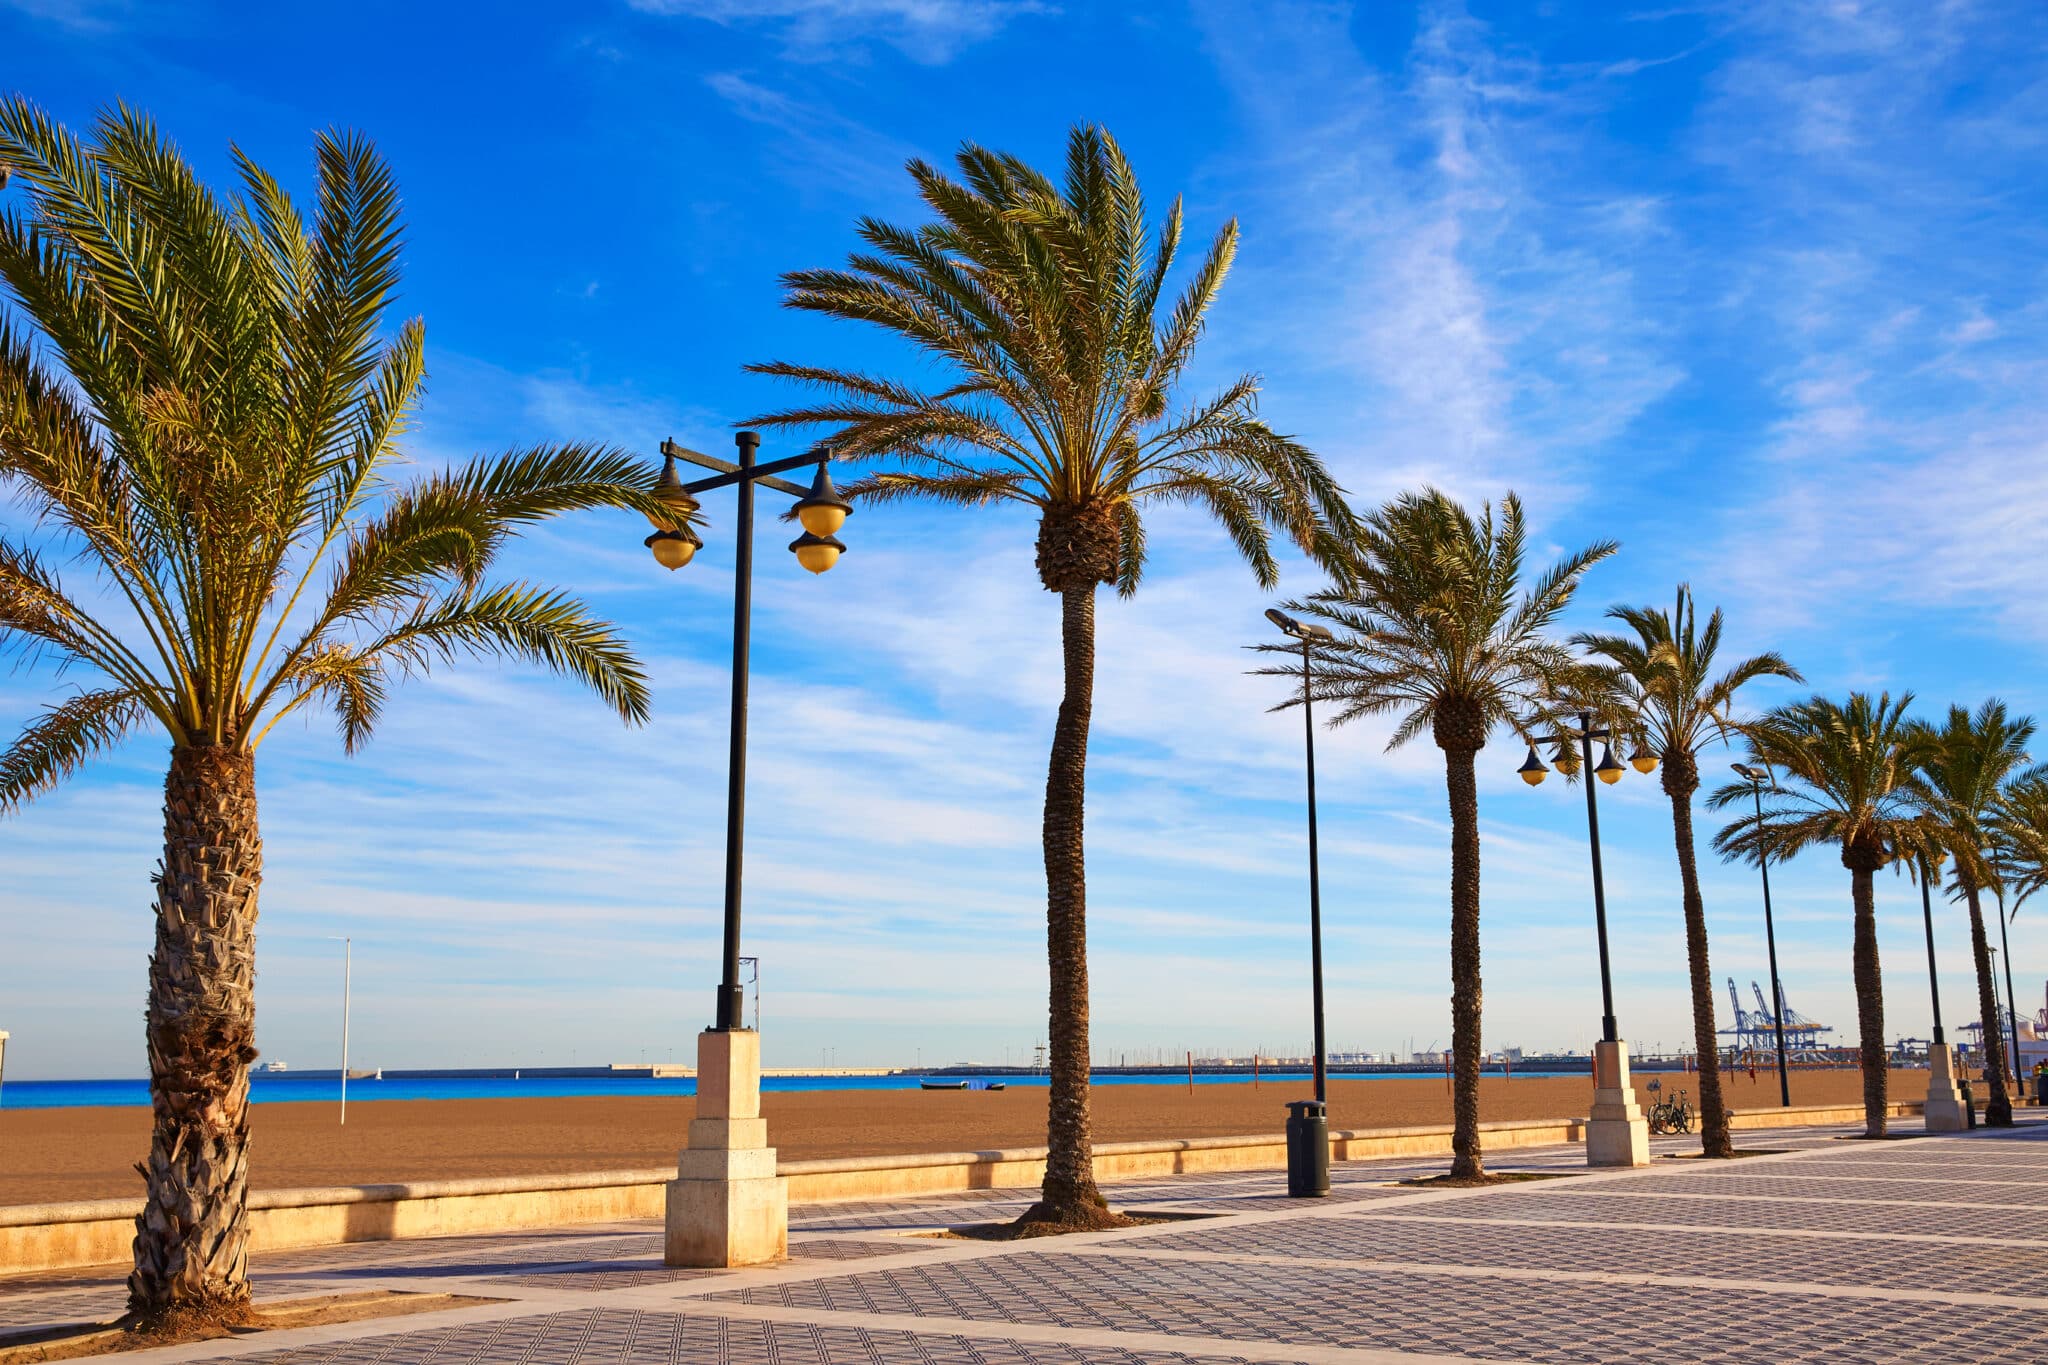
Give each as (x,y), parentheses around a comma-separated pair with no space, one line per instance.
(271,1088)
(286,1089)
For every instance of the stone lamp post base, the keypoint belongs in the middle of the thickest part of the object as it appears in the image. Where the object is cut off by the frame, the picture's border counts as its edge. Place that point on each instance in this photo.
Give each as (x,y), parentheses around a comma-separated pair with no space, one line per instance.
(727,1207)
(1944,1101)
(1617,1134)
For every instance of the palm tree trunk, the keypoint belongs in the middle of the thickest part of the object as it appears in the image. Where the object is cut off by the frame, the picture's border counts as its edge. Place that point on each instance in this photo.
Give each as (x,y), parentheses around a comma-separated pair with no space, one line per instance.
(1997,1108)
(191,1239)
(1460,779)
(1069,1196)
(1870,1004)
(1715,1140)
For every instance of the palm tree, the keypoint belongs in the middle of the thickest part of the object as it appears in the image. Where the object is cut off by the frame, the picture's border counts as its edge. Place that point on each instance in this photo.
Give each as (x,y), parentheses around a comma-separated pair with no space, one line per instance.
(197,401)
(1846,773)
(1041,305)
(1667,669)
(1437,627)
(1968,765)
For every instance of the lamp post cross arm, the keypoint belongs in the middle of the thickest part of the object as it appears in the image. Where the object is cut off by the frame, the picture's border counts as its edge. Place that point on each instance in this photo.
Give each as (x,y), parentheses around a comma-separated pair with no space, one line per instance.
(730,473)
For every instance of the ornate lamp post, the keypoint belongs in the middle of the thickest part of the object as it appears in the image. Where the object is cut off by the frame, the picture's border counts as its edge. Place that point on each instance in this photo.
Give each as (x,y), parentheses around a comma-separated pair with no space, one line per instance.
(727,1207)
(1759,780)
(1617,1133)
(1308,1124)
(1944,1108)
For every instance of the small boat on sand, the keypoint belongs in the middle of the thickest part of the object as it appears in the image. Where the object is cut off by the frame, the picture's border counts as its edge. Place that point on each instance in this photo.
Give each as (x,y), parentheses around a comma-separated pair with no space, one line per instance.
(942,1085)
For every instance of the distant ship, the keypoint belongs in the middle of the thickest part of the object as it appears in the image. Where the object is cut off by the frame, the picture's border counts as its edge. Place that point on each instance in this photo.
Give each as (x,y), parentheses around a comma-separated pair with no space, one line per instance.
(273,1066)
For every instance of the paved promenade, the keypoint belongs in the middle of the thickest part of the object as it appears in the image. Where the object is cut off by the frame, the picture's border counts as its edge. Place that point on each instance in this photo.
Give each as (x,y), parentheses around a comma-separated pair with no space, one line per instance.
(1836,1250)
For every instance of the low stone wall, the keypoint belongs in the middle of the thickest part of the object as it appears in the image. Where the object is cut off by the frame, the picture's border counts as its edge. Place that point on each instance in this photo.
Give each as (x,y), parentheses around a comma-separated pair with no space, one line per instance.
(99,1232)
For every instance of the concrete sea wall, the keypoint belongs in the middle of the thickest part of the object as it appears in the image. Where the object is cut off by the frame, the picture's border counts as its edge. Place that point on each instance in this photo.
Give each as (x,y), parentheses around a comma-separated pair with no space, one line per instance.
(99,1232)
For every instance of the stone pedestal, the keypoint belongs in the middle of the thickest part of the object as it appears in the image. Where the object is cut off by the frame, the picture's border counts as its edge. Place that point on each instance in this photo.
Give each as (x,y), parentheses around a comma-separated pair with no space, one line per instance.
(1617,1134)
(726,1206)
(1944,1101)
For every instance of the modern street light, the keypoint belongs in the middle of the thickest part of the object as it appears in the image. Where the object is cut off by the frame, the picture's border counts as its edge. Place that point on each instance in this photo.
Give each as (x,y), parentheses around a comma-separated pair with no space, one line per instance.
(1759,780)
(1616,1132)
(1308,1147)
(728,1207)
(347,966)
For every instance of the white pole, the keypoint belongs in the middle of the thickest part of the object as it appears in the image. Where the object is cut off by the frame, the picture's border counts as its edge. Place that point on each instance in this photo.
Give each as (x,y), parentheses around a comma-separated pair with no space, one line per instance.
(347,967)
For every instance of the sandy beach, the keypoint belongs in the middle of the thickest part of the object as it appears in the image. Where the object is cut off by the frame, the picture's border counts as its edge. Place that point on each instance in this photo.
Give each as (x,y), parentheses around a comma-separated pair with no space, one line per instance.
(60,1154)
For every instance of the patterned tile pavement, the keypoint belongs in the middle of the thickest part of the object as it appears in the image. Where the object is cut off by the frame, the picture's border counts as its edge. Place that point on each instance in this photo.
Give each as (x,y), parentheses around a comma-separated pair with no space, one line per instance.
(1926,1250)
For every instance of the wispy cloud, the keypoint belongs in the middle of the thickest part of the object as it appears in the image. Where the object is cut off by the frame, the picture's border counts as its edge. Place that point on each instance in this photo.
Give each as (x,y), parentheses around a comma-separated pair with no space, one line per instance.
(1443,269)
(928,31)
(817,149)
(92,16)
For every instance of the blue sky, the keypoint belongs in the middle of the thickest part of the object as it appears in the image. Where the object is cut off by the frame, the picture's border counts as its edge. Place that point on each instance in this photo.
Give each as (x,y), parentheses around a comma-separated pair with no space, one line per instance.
(1757,290)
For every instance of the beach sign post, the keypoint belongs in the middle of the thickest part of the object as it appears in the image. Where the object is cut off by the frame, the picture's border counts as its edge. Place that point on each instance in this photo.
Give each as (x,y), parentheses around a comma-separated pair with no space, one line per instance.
(727,1206)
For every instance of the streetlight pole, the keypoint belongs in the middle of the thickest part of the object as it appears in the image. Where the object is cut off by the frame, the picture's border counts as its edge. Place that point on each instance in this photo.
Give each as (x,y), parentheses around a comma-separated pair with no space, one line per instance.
(728,1207)
(347,967)
(2012,1014)
(1759,779)
(1927,916)
(1616,1132)
(1308,1174)
(1943,1112)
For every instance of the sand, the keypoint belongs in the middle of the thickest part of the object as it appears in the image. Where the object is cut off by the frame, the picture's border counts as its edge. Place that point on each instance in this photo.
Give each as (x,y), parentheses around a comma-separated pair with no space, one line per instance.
(62,1154)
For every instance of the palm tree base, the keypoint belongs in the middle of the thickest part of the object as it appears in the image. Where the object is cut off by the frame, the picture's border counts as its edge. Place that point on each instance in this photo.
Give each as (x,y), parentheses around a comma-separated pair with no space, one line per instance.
(192,1321)
(1998,1112)
(1071,1207)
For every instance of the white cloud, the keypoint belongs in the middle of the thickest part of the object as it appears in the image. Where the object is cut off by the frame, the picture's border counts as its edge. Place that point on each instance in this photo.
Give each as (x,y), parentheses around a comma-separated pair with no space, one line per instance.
(928,31)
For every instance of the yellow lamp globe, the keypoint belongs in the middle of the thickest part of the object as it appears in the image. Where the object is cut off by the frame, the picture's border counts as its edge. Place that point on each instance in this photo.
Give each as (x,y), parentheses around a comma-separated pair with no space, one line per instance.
(1610,768)
(1642,760)
(672,549)
(816,553)
(1533,769)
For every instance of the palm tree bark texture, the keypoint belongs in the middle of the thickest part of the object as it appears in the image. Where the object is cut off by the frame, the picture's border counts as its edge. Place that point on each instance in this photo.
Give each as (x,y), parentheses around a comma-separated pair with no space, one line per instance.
(1681,779)
(1863,864)
(1460,734)
(192,1236)
(1997,1108)
(1077,550)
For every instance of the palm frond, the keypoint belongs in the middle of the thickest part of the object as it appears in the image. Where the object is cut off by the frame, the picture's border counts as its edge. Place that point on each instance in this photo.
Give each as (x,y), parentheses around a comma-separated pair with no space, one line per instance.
(59,741)
(1041,303)
(521,621)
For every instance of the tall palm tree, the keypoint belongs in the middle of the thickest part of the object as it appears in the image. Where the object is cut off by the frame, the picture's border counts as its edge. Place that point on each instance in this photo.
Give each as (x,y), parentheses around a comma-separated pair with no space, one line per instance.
(1967,767)
(1667,669)
(1438,627)
(1041,304)
(1846,771)
(197,401)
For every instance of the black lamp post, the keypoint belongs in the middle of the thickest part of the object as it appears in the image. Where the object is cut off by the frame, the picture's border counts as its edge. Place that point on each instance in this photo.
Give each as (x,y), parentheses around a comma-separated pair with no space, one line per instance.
(1759,779)
(1927,916)
(2012,1012)
(1308,1121)
(822,512)
(1309,633)
(1609,771)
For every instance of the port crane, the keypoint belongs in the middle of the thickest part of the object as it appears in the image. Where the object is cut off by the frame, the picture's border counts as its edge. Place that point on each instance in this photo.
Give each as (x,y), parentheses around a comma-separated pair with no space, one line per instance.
(1757,1030)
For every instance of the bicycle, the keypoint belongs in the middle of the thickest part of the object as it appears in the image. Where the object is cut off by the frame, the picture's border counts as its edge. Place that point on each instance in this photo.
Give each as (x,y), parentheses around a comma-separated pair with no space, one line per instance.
(1672,1116)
